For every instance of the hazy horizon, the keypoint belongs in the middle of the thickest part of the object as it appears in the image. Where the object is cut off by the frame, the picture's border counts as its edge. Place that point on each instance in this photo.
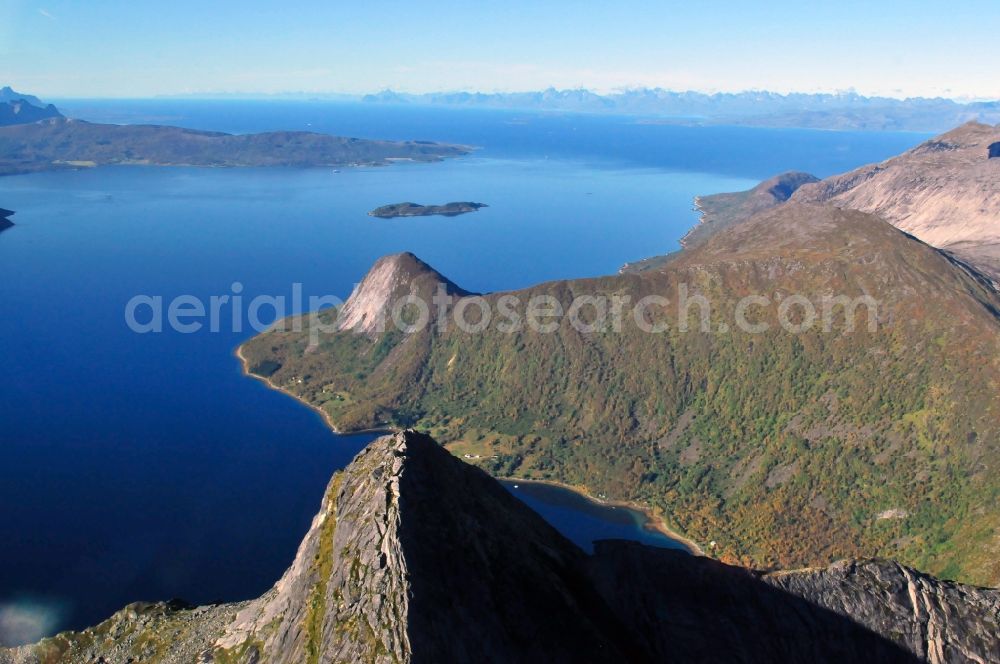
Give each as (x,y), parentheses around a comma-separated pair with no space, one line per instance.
(58,48)
(334,94)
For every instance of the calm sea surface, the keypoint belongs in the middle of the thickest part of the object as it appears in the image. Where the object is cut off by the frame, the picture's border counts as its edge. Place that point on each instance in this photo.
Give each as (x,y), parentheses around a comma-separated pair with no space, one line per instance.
(144,467)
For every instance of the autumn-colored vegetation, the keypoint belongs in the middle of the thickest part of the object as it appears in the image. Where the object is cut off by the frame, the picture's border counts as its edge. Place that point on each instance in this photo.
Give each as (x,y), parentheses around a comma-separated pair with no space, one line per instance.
(785,449)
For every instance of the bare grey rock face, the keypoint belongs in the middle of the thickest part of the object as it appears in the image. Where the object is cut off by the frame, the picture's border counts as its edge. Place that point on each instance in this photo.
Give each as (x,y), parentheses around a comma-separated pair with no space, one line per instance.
(697,609)
(943,191)
(938,621)
(370,308)
(418,557)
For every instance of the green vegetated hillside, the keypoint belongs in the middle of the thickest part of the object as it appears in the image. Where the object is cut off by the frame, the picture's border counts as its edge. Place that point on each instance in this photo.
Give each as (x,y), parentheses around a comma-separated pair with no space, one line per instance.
(784,449)
(719,211)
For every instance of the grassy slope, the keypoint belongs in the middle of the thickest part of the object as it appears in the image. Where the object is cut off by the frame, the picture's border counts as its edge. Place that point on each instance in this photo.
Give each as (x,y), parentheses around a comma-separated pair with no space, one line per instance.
(782,448)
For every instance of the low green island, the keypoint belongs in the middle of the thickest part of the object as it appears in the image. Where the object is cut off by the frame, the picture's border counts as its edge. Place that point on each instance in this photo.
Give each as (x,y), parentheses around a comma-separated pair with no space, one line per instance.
(417,210)
(61,143)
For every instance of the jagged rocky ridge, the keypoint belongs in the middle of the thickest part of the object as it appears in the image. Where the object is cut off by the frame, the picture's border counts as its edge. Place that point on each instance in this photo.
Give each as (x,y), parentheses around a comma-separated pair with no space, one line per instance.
(416,556)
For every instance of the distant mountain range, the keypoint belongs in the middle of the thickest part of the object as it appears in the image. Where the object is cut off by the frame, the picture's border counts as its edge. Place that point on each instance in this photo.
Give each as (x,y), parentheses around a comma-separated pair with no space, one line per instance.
(18,108)
(757,108)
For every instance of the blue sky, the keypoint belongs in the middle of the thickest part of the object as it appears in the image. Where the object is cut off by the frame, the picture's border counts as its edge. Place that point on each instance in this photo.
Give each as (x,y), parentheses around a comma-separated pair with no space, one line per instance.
(143,48)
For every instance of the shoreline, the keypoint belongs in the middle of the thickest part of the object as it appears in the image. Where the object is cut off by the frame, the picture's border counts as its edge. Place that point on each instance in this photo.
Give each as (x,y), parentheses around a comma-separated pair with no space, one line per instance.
(327,418)
(702,219)
(654,522)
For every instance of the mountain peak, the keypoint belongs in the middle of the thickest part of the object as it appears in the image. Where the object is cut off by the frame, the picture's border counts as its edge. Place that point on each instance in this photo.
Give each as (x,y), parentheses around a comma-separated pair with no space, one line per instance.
(416,556)
(392,277)
(7,94)
(17,108)
(411,549)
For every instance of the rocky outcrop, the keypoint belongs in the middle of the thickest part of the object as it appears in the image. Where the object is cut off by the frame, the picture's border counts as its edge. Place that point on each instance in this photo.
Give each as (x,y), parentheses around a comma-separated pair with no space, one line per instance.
(387,285)
(162,632)
(418,557)
(854,611)
(5,221)
(938,621)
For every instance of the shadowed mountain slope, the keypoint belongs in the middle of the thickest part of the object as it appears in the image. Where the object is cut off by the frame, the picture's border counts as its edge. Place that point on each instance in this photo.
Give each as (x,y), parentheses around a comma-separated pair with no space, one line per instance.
(418,557)
(18,108)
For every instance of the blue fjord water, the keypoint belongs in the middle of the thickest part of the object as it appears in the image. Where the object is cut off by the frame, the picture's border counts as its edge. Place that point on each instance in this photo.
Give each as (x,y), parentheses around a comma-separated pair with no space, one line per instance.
(147,466)
(584,520)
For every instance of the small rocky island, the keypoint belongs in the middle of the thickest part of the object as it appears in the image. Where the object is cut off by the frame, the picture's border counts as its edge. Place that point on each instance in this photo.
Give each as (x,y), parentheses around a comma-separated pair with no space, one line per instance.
(5,222)
(417,210)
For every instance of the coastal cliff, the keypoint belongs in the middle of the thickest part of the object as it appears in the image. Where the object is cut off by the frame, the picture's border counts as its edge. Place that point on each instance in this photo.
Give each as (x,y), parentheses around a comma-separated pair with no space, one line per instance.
(416,556)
